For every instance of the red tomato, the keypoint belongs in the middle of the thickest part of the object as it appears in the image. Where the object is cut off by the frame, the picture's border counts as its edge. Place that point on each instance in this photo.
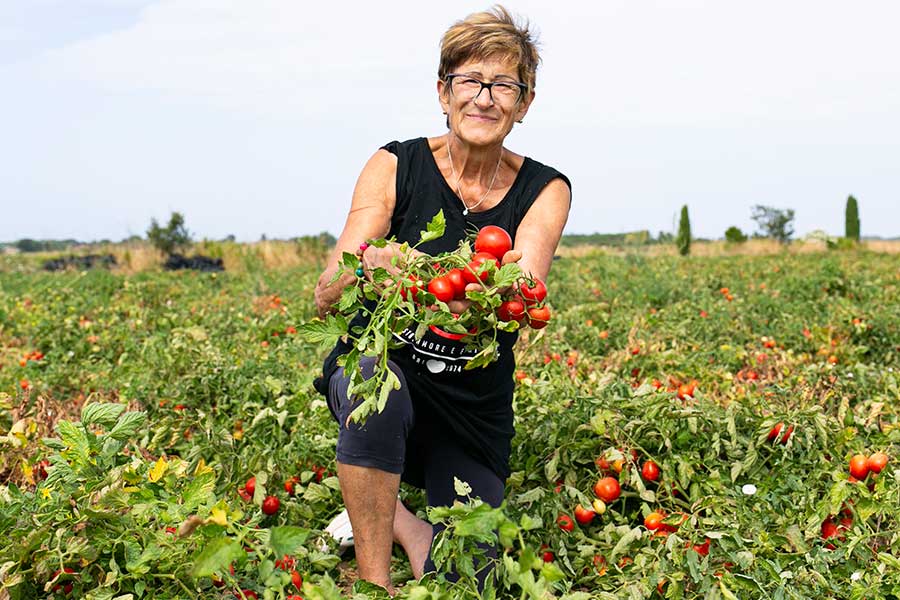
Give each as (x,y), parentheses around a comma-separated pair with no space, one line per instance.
(875,463)
(296,580)
(859,466)
(250,486)
(250,594)
(565,523)
(773,433)
(511,310)
(538,316)
(584,515)
(829,529)
(289,487)
(270,505)
(653,521)
(456,278)
(442,289)
(650,471)
(787,434)
(547,556)
(493,240)
(533,294)
(607,489)
(40,469)
(702,549)
(414,291)
(470,274)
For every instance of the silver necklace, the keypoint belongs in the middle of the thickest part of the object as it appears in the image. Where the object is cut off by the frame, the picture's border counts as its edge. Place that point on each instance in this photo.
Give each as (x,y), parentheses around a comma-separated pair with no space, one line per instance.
(459,191)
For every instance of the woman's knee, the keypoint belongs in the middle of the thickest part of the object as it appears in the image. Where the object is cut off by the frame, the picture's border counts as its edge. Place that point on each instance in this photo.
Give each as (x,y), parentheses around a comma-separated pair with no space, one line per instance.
(379,441)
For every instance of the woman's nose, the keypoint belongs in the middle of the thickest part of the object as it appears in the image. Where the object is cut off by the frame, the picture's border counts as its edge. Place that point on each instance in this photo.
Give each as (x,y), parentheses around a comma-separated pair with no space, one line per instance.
(483,98)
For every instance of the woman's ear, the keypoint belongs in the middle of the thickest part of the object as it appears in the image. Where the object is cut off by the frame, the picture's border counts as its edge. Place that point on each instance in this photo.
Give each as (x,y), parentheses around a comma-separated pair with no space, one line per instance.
(524,106)
(443,95)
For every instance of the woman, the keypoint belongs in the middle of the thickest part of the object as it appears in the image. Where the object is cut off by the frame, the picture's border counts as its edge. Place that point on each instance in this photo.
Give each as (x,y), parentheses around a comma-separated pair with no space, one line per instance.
(444,422)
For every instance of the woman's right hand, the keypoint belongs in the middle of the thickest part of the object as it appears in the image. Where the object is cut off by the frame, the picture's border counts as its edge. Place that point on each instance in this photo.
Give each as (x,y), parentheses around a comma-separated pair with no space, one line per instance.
(460,306)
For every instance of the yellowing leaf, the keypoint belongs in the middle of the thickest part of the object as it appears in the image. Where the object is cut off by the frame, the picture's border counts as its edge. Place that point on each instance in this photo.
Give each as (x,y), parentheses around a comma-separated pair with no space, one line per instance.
(158,470)
(202,468)
(218,516)
(28,472)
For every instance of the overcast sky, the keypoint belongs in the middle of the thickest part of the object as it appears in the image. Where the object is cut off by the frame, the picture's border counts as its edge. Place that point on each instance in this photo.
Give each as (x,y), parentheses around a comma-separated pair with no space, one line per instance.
(255,117)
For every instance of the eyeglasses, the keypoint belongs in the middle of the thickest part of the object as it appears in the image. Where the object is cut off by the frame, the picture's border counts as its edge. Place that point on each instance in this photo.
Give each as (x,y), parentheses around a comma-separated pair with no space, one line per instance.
(469,88)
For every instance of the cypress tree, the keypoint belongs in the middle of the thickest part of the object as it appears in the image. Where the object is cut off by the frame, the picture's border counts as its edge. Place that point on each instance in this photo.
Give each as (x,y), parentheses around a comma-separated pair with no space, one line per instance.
(851,220)
(683,241)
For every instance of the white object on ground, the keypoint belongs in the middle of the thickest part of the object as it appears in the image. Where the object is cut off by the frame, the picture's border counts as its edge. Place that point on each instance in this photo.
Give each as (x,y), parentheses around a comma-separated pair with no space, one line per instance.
(749,489)
(340,529)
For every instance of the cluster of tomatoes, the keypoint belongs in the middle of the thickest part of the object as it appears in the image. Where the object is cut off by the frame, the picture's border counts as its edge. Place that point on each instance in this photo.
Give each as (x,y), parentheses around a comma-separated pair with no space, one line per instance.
(270,504)
(525,303)
(834,527)
(607,489)
(861,465)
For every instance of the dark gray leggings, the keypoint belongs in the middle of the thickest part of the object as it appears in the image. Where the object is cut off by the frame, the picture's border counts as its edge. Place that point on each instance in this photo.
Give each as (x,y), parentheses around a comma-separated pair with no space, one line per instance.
(381,443)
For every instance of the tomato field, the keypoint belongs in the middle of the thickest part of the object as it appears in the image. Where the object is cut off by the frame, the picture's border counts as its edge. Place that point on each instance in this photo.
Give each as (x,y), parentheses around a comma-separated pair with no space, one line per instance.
(685,429)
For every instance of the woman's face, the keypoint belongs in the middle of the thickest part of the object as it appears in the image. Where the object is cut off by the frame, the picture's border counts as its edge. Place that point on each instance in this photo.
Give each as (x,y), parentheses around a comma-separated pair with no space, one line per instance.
(478,117)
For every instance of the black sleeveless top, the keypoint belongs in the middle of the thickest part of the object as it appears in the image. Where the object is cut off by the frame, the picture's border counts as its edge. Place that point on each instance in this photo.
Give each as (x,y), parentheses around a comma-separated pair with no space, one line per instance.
(473,408)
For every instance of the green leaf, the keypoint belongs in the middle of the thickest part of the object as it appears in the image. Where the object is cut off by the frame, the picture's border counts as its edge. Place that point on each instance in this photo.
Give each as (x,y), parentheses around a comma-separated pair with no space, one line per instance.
(287,539)
(434,229)
(551,572)
(198,491)
(102,414)
(529,523)
(141,564)
(325,333)
(625,541)
(350,298)
(550,470)
(216,557)
(461,487)
(75,440)
(350,261)
(127,426)
(372,591)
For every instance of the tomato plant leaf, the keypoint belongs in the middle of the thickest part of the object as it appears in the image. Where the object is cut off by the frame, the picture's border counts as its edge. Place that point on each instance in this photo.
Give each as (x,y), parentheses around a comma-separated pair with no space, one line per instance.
(324,332)
(76,441)
(102,414)
(128,425)
(287,539)
(435,228)
(216,556)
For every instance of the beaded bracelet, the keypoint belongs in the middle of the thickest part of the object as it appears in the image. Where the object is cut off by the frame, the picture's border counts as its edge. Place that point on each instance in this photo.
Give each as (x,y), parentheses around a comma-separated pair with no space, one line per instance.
(359,268)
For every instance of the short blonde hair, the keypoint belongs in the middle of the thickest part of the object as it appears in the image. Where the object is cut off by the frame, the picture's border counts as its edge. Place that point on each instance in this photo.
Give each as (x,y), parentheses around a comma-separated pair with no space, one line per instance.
(491,34)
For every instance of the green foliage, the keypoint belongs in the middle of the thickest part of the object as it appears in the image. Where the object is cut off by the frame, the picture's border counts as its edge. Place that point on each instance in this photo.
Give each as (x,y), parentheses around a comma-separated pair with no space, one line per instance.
(851,220)
(606,239)
(170,238)
(683,239)
(734,235)
(774,222)
(222,348)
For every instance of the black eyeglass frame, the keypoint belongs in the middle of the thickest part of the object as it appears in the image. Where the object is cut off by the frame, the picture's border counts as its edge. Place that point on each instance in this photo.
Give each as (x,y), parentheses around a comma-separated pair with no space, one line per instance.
(522,87)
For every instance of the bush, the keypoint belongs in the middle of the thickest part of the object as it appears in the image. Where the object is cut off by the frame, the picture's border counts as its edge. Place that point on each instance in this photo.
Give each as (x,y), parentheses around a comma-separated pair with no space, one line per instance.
(170,238)
(735,235)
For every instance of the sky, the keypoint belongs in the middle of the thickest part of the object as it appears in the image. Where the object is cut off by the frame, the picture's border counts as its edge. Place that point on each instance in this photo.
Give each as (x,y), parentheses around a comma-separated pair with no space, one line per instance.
(255,118)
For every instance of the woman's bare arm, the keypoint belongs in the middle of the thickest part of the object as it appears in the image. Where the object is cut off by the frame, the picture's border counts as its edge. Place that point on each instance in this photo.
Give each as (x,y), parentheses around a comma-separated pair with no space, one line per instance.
(540,230)
(370,214)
